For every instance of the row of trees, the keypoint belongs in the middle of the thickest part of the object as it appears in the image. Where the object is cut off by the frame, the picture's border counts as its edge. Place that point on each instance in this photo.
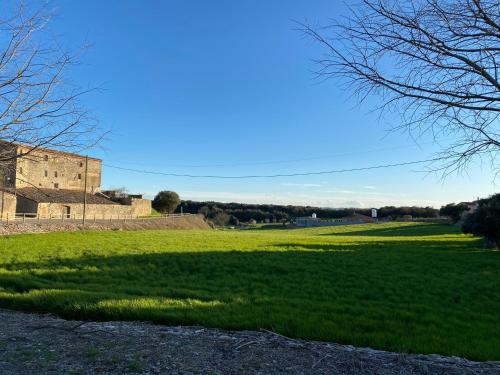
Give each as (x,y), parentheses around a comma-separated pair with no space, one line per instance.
(278,213)
(484,220)
(233,213)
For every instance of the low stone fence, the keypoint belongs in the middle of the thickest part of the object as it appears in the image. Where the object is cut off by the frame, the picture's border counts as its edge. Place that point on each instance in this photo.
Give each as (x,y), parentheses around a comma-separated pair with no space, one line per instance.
(35,217)
(34,225)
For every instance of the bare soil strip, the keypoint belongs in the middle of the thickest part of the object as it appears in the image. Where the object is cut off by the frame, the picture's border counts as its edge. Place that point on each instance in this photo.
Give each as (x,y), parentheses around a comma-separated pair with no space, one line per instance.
(45,344)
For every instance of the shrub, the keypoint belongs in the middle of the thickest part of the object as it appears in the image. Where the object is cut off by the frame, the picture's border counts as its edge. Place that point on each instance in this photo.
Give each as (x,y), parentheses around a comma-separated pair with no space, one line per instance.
(233,220)
(218,216)
(454,211)
(166,202)
(485,220)
(220,219)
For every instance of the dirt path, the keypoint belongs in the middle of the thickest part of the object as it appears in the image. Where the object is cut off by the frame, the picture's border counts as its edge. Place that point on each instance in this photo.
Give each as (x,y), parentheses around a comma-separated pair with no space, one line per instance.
(44,344)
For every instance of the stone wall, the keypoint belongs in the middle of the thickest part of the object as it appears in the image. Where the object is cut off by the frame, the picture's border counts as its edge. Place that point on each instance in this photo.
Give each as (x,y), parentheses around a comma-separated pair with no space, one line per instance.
(7,205)
(57,170)
(33,225)
(75,210)
(140,207)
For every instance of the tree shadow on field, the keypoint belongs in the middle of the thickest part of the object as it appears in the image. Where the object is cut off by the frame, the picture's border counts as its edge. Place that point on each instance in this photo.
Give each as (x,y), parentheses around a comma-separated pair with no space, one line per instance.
(317,291)
(404,247)
(239,275)
(417,230)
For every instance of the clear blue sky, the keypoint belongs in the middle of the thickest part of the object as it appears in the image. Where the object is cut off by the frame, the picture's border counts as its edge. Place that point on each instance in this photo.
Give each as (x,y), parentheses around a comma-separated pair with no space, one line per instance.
(225,87)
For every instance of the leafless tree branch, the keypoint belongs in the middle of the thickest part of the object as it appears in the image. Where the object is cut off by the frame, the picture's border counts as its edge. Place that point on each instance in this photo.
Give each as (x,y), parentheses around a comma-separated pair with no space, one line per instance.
(436,62)
(39,107)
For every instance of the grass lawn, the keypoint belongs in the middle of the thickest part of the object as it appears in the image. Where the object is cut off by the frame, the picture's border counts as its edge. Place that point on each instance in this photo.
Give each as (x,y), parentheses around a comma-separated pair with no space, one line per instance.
(400,286)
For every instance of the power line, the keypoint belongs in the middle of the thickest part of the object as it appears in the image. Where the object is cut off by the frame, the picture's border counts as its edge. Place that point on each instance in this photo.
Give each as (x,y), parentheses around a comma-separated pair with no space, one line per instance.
(291,161)
(274,175)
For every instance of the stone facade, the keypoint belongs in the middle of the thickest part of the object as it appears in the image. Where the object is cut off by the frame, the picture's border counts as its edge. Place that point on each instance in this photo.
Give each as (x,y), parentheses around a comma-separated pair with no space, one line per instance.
(75,211)
(7,205)
(140,207)
(137,208)
(52,183)
(52,204)
(51,169)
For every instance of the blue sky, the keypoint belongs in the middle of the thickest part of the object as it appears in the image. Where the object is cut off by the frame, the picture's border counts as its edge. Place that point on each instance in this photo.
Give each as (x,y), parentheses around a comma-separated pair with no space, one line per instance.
(225,87)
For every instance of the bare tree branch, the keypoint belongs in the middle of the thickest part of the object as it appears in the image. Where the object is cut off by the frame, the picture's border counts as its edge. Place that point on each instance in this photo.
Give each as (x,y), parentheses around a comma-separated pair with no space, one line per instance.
(436,62)
(39,107)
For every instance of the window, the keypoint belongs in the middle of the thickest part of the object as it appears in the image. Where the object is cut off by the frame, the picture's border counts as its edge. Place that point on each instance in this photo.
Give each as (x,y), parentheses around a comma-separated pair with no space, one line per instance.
(56,185)
(46,173)
(81,164)
(55,174)
(46,157)
(79,176)
(21,170)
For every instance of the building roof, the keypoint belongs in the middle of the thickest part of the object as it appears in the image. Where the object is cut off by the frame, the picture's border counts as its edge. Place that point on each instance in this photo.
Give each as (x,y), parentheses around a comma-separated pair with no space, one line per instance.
(63,196)
(46,150)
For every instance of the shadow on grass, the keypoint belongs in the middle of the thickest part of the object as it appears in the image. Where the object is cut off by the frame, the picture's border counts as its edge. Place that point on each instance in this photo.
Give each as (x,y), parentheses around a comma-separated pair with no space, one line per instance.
(417,230)
(416,247)
(274,226)
(415,296)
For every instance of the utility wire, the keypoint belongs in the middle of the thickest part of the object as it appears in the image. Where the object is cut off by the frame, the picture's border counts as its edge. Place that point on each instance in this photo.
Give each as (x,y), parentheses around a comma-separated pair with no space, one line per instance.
(290,161)
(275,175)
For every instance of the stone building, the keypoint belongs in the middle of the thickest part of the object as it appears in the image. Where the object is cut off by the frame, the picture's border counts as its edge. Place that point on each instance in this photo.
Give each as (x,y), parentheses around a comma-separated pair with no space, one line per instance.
(49,169)
(52,184)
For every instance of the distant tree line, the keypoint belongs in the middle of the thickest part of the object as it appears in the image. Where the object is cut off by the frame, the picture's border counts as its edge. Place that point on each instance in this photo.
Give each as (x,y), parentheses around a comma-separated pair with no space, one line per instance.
(484,220)
(234,213)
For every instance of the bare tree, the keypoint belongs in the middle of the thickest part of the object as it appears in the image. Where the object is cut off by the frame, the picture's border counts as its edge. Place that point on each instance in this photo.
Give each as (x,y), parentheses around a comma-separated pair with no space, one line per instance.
(435,62)
(39,107)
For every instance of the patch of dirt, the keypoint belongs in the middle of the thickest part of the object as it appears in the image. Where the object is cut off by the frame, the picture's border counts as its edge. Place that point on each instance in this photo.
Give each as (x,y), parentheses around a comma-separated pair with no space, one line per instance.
(44,344)
(184,222)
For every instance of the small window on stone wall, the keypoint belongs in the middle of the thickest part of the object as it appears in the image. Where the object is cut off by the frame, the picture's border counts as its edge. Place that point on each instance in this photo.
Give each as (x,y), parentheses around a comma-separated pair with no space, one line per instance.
(46,173)
(79,176)
(56,185)
(21,170)
(55,174)
(81,164)
(46,157)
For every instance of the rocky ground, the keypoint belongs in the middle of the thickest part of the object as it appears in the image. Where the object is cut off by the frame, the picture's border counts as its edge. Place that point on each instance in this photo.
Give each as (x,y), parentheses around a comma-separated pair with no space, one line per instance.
(33,226)
(44,344)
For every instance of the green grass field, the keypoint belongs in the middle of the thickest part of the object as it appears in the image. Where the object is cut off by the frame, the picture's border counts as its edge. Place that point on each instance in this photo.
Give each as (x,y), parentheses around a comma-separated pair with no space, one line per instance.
(401,286)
